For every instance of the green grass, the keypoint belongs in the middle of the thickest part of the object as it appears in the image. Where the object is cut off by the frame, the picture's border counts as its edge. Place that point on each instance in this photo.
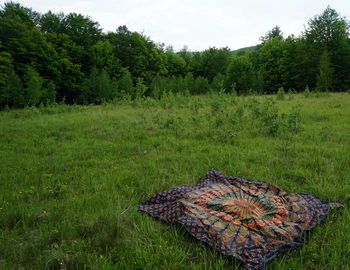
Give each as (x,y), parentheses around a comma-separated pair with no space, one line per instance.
(71,177)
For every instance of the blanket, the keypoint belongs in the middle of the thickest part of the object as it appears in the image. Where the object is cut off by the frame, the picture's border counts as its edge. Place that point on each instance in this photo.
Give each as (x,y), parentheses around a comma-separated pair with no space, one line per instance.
(250,220)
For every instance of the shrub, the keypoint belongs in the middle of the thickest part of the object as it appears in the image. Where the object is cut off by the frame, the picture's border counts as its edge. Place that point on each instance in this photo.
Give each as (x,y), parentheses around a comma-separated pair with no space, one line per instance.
(293,120)
(140,89)
(307,92)
(280,94)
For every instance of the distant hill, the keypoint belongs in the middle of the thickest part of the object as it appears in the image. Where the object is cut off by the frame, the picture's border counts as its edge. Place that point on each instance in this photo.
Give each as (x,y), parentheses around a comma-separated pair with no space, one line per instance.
(251,48)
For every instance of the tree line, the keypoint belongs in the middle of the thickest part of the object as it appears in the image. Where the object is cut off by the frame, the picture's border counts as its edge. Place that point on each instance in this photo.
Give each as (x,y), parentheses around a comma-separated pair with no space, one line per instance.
(56,57)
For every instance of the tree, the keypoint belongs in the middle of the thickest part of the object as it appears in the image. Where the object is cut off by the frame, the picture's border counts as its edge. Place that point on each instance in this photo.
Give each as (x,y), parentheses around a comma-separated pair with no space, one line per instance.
(49,93)
(66,70)
(21,13)
(140,89)
(289,65)
(201,86)
(88,91)
(275,32)
(217,83)
(240,74)
(125,84)
(190,83)
(213,62)
(102,57)
(12,94)
(270,55)
(6,63)
(105,89)
(157,87)
(81,29)
(52,22)
(33,89)
(324,78)
(21,38)
(175,64)
(137,53)
(99,87)
(329,31)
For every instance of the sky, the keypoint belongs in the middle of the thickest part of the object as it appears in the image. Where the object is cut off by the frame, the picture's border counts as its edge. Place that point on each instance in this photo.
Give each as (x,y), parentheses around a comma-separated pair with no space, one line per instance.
(197,24)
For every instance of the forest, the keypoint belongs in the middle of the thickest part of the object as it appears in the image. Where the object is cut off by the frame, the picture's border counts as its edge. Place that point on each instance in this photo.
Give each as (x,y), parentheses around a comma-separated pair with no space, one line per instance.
(67,58)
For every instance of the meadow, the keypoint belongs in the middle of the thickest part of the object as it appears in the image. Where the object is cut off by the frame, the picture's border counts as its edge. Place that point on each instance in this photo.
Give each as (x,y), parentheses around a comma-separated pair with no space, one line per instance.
(72,176)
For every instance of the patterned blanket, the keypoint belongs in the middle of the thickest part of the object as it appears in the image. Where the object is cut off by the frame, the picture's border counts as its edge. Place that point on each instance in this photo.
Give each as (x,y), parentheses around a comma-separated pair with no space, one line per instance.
(250,220)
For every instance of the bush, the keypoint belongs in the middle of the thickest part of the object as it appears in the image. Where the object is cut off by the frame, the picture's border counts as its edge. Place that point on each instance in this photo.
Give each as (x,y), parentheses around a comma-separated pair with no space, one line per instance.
(280,94)
(291,93)
(293,120)
(307,92)
(140,89)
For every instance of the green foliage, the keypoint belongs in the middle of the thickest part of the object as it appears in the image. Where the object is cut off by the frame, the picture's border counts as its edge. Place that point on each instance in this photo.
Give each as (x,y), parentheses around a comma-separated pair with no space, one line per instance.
(175,64)
(280,94)
(21,13)
(269,64)
(201,86)
(81,29)
(64,50)
(140,89)
(189,82)
(307,92)
(240,73)
(210,63)
(106,88)
(99,87)
(88,94)
(12,94)
(49,93)
(327,29)
(294,120)
(125,85)
(5,65)
(324,78)
(137,53)
(328,35)
(217,84)
(157,87)
(33,89)
(103,58)
(291,93)
(275,32)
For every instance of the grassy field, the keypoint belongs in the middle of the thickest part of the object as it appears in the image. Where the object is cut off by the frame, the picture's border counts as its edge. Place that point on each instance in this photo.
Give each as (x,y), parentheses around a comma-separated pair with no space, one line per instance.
(71,177)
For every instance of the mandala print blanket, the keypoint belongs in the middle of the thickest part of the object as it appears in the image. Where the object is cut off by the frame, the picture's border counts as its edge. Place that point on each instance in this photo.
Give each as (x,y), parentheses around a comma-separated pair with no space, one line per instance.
(250,220)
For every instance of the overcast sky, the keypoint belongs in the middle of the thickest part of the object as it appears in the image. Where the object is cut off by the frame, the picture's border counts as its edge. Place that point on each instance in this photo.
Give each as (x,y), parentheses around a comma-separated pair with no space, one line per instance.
(199,24)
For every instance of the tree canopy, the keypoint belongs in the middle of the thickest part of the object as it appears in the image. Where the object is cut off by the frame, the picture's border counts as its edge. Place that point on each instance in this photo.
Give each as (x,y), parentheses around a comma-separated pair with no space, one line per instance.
(56,57)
